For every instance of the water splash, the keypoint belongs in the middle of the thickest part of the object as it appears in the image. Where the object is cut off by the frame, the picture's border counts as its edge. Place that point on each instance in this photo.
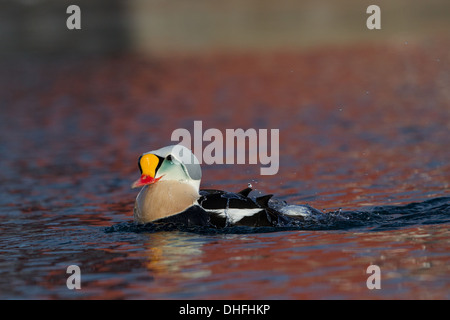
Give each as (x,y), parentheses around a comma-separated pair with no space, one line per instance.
(433,211)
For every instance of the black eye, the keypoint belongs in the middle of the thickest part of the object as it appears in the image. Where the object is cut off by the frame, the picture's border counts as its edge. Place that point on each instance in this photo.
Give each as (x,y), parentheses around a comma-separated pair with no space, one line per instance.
(169,157)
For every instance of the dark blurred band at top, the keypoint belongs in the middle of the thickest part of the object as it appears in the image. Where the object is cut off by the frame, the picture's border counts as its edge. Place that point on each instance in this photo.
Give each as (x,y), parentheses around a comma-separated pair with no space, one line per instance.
(160,27)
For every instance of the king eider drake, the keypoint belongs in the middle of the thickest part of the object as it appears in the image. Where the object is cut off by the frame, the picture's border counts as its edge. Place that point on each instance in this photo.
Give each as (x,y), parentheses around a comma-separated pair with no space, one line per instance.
(171,193)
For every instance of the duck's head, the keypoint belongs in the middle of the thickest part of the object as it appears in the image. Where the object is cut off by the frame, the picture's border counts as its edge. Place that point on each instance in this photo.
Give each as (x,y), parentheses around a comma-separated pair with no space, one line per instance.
(175,163)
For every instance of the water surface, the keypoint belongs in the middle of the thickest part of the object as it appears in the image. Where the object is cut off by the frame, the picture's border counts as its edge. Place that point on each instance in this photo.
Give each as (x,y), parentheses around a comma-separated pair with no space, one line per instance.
(362,129)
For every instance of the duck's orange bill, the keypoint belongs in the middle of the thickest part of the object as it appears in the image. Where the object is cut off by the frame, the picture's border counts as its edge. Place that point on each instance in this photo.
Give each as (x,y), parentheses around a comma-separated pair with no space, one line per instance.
(144,180)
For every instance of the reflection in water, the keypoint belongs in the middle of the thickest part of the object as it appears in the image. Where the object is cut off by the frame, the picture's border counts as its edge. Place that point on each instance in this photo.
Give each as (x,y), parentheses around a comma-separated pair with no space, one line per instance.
(298,264)
(174,254)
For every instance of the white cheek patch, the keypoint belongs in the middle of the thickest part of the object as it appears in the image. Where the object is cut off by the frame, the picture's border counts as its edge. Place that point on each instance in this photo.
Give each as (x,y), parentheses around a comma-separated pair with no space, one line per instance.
(235,215)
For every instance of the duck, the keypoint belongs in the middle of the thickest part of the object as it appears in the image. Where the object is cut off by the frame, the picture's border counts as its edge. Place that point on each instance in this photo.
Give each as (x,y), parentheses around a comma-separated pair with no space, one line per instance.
(170,193)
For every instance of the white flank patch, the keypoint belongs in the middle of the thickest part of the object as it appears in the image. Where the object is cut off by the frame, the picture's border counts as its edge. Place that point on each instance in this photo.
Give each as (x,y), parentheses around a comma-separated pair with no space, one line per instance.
(234,215)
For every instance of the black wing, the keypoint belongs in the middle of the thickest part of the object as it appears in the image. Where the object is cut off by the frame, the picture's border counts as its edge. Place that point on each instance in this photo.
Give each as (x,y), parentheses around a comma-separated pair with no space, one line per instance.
(215,201)
(213,205)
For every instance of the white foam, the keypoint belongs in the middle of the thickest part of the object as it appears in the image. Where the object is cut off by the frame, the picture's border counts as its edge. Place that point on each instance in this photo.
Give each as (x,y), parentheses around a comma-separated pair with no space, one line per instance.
(296,210)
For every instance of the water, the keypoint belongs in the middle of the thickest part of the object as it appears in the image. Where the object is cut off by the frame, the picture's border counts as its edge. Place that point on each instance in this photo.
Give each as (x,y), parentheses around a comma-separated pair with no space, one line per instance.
(365,145)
